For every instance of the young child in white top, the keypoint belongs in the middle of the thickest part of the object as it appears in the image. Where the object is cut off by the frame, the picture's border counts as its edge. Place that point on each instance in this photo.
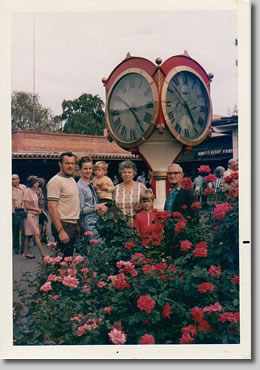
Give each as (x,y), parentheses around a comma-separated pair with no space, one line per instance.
(102,183)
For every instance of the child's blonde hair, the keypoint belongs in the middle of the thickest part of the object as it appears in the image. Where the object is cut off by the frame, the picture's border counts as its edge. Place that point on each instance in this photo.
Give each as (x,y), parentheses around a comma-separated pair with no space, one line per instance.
(101,164)
(147,194)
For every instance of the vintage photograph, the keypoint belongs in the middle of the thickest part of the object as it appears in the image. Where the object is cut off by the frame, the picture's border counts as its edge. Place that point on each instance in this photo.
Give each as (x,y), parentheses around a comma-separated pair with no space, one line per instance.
(126,129)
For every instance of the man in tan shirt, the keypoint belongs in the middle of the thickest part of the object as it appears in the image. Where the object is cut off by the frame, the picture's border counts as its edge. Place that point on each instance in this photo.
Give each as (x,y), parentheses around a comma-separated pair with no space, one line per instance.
(18,214)
(63,204)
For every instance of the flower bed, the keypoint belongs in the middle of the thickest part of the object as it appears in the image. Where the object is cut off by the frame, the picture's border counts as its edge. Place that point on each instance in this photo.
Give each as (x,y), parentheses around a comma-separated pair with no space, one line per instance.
(184,291)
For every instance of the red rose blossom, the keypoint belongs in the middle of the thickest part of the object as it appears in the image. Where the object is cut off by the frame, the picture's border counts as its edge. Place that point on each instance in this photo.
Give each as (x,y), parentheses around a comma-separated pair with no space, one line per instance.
(204,169)
(166,313)
(205,287)
(210,178)
(196,205)
(129,245)
(180,225)
(145,303)
(147,339)
(197,314)
(235,279)
(186,183)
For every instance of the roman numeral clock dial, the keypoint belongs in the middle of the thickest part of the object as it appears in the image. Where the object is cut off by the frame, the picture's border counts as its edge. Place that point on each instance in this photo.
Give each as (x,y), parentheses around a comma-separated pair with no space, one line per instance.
(132,107)
(186,105)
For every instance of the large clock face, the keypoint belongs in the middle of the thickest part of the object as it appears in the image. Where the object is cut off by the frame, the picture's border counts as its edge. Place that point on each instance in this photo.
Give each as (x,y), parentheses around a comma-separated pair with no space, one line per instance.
(186,106)
(132,107)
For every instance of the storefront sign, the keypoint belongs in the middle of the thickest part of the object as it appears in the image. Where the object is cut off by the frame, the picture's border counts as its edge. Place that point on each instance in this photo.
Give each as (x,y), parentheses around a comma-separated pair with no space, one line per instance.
(214,152)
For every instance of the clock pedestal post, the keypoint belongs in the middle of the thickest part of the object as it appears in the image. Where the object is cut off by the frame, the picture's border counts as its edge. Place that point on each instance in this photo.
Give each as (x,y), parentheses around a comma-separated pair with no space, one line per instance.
(159,151)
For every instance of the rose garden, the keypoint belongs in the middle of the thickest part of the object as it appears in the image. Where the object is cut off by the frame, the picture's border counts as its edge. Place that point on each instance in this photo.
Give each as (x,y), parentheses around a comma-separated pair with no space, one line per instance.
(184,291)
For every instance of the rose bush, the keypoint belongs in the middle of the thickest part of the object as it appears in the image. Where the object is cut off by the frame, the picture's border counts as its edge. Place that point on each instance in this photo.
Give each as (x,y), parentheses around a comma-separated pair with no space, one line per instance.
(183,291)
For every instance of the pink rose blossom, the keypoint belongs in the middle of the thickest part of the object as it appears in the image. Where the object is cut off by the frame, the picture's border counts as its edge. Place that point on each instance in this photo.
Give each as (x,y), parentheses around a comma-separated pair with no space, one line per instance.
(147,339)
(68,259)
(229,316)
(117,336)
(215,271)
(185,245)
(84,271)
(88,233)
(108,310)
(212,308)
(70,281)
(86,288)
(101,284)
(78,259)
(55,297)
(46,287)
(93,241)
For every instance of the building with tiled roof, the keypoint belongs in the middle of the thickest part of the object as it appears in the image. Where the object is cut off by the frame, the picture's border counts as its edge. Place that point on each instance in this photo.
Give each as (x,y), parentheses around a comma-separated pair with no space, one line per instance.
(38,152)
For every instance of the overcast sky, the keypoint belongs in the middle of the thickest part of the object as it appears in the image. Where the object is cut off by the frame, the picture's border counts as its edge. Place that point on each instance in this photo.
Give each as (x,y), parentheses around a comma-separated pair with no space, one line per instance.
(74,50)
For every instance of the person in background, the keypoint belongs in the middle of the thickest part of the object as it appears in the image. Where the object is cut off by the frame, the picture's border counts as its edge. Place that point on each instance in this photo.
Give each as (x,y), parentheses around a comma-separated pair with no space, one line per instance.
(149,228)
(18,213)
(64,205)
(102,183)
(217,185)
(177,196)
(32,220)
(141,178)
(232,167)
(43,220)
(89,206)
(128,193)
(115,180)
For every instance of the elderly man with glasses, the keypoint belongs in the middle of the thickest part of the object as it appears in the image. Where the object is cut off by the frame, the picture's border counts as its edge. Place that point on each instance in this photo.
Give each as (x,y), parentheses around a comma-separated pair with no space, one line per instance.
(178,199)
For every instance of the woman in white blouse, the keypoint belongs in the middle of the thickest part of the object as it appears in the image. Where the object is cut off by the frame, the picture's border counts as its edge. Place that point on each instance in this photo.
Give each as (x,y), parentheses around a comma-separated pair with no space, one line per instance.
(127,194)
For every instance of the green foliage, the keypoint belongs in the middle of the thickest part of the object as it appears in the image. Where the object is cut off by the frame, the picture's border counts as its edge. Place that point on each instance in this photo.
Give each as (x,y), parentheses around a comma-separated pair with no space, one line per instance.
(29,114)
(83,115)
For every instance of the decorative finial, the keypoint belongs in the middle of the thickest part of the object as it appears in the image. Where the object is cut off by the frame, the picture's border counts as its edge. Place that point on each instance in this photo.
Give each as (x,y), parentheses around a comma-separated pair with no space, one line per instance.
(186,53)
(104,80)
(211,75)
(158,61)
(128,55)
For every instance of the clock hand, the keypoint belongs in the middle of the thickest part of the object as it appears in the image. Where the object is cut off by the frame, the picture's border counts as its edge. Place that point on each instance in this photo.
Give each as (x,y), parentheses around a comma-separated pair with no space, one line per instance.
(136,118)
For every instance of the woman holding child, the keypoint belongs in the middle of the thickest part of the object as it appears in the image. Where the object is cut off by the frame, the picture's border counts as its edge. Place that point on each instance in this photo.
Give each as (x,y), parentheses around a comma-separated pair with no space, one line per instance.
(89,206)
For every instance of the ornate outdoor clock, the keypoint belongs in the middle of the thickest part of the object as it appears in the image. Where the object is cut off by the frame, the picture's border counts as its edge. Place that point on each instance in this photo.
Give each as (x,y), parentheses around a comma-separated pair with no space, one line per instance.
(155,110)
(132,107)
(186,105)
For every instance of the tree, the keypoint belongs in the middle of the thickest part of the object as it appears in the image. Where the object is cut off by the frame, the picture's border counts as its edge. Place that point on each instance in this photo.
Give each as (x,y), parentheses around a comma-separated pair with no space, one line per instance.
(83,115)
(29,114)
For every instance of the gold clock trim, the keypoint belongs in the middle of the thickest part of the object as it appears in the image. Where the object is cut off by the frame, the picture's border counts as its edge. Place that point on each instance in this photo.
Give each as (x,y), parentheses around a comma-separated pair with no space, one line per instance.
(151,82)
(167,80)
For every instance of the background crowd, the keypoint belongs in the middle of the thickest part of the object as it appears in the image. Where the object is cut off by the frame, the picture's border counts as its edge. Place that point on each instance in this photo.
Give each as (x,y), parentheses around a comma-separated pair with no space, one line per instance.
(75,207)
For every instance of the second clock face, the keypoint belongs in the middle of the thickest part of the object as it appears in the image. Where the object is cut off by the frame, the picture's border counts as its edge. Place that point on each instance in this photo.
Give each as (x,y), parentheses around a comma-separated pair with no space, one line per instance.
(187,107)
(131,108)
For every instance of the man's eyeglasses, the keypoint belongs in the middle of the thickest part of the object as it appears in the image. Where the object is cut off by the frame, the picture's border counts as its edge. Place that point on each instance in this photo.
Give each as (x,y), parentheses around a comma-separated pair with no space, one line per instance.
(173,173)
